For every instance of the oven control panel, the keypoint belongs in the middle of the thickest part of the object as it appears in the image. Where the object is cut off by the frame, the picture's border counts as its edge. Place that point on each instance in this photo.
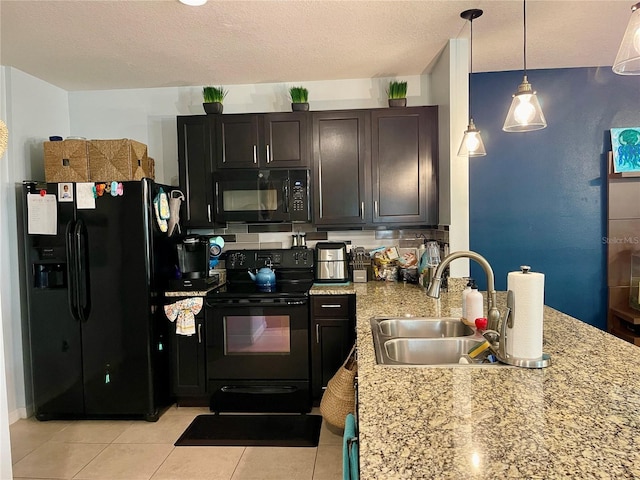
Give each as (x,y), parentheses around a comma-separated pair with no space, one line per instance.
(292,258)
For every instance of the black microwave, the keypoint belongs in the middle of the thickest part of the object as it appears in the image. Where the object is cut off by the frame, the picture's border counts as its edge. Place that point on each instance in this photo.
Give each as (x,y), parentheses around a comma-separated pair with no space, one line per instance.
(255,196)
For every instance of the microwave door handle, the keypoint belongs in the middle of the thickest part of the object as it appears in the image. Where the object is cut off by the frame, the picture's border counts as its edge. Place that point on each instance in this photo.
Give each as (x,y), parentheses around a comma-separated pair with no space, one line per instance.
(285,189)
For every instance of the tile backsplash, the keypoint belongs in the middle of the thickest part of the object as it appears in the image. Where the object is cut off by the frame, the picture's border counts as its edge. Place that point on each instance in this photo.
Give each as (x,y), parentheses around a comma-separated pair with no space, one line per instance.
(246,236)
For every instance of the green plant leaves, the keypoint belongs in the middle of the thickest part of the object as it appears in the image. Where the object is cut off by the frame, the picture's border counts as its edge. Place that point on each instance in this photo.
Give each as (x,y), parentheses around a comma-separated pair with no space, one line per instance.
(213,94)
(299,95)
(397,90)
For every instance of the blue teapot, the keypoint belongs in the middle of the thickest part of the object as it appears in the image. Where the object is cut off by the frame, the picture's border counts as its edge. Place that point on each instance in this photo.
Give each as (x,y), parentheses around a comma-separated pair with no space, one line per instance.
(265,279)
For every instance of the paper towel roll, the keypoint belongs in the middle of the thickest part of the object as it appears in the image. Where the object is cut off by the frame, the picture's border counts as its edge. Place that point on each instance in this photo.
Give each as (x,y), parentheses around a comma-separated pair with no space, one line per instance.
(524,340)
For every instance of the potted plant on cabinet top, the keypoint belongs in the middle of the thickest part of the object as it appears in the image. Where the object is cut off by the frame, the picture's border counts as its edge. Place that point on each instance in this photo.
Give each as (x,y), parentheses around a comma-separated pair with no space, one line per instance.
(397,93)
(213,98)
(299,99)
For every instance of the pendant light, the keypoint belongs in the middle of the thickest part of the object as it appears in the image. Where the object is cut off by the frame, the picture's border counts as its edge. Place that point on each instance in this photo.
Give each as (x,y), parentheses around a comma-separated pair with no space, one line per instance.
(525,114)
(628,59)
(472,145)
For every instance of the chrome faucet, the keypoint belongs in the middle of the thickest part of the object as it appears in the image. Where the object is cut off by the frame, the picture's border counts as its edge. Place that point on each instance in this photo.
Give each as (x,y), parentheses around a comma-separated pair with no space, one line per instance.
(493,315)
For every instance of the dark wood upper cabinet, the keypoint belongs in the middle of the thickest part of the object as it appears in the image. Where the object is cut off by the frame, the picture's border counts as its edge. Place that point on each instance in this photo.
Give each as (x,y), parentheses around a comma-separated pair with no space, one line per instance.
(238,141)
(286,139)
(403,165)
(195,147)
(370,168)
(341,168)
(263,140)
(376,167)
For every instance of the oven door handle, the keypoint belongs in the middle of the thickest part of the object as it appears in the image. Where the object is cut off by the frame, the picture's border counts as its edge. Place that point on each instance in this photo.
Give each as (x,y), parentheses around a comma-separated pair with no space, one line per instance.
(259,302)
(296,302)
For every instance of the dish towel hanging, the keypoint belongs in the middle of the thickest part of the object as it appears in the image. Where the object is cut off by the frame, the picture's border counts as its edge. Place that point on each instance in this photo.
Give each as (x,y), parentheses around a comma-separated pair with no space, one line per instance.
(184,312)
(350,454)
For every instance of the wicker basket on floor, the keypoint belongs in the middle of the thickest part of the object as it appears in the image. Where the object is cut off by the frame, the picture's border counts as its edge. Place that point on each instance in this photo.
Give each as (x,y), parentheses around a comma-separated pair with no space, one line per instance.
(338,399)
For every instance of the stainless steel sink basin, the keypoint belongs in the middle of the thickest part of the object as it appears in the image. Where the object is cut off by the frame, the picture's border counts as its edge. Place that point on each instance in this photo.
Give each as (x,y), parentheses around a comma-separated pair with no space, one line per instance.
(423,327)
(423,341)
(427,351)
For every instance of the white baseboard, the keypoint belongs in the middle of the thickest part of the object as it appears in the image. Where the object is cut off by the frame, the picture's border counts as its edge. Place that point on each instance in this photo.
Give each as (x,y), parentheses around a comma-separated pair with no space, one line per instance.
(17,414)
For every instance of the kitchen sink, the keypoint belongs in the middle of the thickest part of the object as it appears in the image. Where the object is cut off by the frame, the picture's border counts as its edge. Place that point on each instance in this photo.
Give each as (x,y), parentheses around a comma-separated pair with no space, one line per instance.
(423,327)
(423,342)
(427,351)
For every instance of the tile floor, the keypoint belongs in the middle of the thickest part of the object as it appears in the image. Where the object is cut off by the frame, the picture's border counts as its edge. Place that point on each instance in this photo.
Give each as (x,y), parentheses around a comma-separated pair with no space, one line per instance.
(139,450)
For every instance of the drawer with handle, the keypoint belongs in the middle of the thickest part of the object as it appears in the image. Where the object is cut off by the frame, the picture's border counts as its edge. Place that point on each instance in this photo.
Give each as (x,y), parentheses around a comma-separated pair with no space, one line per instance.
(332,306)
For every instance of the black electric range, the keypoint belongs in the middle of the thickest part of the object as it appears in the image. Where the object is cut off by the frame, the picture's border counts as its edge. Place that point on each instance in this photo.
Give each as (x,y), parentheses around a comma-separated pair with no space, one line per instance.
(293,270)
(258,342)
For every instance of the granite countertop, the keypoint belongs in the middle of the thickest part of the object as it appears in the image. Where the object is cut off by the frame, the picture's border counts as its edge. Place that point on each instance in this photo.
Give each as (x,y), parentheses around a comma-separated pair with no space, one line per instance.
(578,418)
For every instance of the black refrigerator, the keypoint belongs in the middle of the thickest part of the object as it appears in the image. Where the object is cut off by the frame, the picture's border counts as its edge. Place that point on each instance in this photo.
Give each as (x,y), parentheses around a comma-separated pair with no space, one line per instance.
(94,281)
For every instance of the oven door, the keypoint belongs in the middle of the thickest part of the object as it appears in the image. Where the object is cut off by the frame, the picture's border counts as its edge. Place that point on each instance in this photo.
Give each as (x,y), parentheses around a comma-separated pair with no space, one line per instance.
(252,195)
(258,355)
(258,339)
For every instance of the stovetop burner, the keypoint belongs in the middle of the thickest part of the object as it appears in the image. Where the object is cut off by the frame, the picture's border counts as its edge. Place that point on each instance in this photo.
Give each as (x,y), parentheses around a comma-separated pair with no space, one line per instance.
(293,269)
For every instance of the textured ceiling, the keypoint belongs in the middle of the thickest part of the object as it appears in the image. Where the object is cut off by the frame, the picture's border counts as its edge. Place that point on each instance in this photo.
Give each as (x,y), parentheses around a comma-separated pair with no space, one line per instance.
(87,44)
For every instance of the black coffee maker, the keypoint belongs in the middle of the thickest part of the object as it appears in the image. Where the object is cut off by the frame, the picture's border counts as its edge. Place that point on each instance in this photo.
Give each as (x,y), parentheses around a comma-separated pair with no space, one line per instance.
(193,257)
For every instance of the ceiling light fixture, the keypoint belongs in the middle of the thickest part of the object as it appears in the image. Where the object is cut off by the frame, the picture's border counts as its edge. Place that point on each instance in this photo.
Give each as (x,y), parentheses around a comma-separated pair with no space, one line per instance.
(472,145)
(628,59)
(193,3)
(525,113)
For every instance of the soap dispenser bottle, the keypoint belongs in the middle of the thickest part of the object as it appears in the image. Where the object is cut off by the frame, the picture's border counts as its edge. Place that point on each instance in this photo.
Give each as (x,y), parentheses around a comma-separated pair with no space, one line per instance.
(465,292)
(474,304)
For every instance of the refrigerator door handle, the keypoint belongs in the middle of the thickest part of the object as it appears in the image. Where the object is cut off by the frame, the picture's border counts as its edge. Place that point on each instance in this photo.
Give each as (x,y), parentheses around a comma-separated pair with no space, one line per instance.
(82,269)
(72,289)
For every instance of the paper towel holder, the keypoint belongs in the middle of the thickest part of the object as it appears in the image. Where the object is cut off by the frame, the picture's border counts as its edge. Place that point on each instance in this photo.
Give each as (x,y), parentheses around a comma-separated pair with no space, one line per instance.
(503,356)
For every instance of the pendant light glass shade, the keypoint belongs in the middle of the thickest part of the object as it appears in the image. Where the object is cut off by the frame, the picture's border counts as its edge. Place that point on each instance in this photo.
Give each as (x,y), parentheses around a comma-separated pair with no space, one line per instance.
(628,59)
(472,144)
(525,114)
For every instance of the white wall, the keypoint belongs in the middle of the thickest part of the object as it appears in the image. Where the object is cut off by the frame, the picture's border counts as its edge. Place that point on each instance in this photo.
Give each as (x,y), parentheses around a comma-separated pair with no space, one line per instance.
(450,87)
(5,440)
(149,115)
(34,111)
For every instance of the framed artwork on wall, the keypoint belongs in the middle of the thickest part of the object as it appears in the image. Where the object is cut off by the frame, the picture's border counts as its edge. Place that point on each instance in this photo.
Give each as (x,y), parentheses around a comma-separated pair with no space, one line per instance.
(625,143)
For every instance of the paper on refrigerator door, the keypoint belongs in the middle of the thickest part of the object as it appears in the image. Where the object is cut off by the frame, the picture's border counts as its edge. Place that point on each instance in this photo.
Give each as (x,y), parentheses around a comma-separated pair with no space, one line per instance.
(42,213)
(85,198)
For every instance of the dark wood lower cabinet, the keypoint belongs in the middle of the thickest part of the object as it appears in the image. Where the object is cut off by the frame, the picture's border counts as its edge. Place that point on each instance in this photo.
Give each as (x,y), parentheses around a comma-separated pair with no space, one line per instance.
(189,385)
(332,336)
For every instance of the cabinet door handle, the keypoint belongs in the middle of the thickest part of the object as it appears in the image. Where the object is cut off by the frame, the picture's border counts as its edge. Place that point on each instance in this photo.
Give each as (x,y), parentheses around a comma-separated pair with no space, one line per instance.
(317,333)
(268,154)
(330,305)
(375,208)
(320,184)
(199,333)
(217,200)
(209,212)
(362,210)
(255,154)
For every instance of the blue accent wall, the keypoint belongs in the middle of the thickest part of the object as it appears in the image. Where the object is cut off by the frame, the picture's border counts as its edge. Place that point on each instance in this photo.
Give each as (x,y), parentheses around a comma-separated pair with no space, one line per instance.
(539,198)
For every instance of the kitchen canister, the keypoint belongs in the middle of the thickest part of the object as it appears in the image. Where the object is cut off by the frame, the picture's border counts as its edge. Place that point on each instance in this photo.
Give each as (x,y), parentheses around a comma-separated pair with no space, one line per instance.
(524,338)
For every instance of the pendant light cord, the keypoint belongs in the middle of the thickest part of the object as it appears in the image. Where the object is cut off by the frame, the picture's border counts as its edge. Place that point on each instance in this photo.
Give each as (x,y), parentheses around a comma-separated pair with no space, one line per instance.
(524,41)
(470,65)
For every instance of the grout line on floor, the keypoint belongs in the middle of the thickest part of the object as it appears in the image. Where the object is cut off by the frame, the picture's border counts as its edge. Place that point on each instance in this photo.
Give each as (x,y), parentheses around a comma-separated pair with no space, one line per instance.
(244,449)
